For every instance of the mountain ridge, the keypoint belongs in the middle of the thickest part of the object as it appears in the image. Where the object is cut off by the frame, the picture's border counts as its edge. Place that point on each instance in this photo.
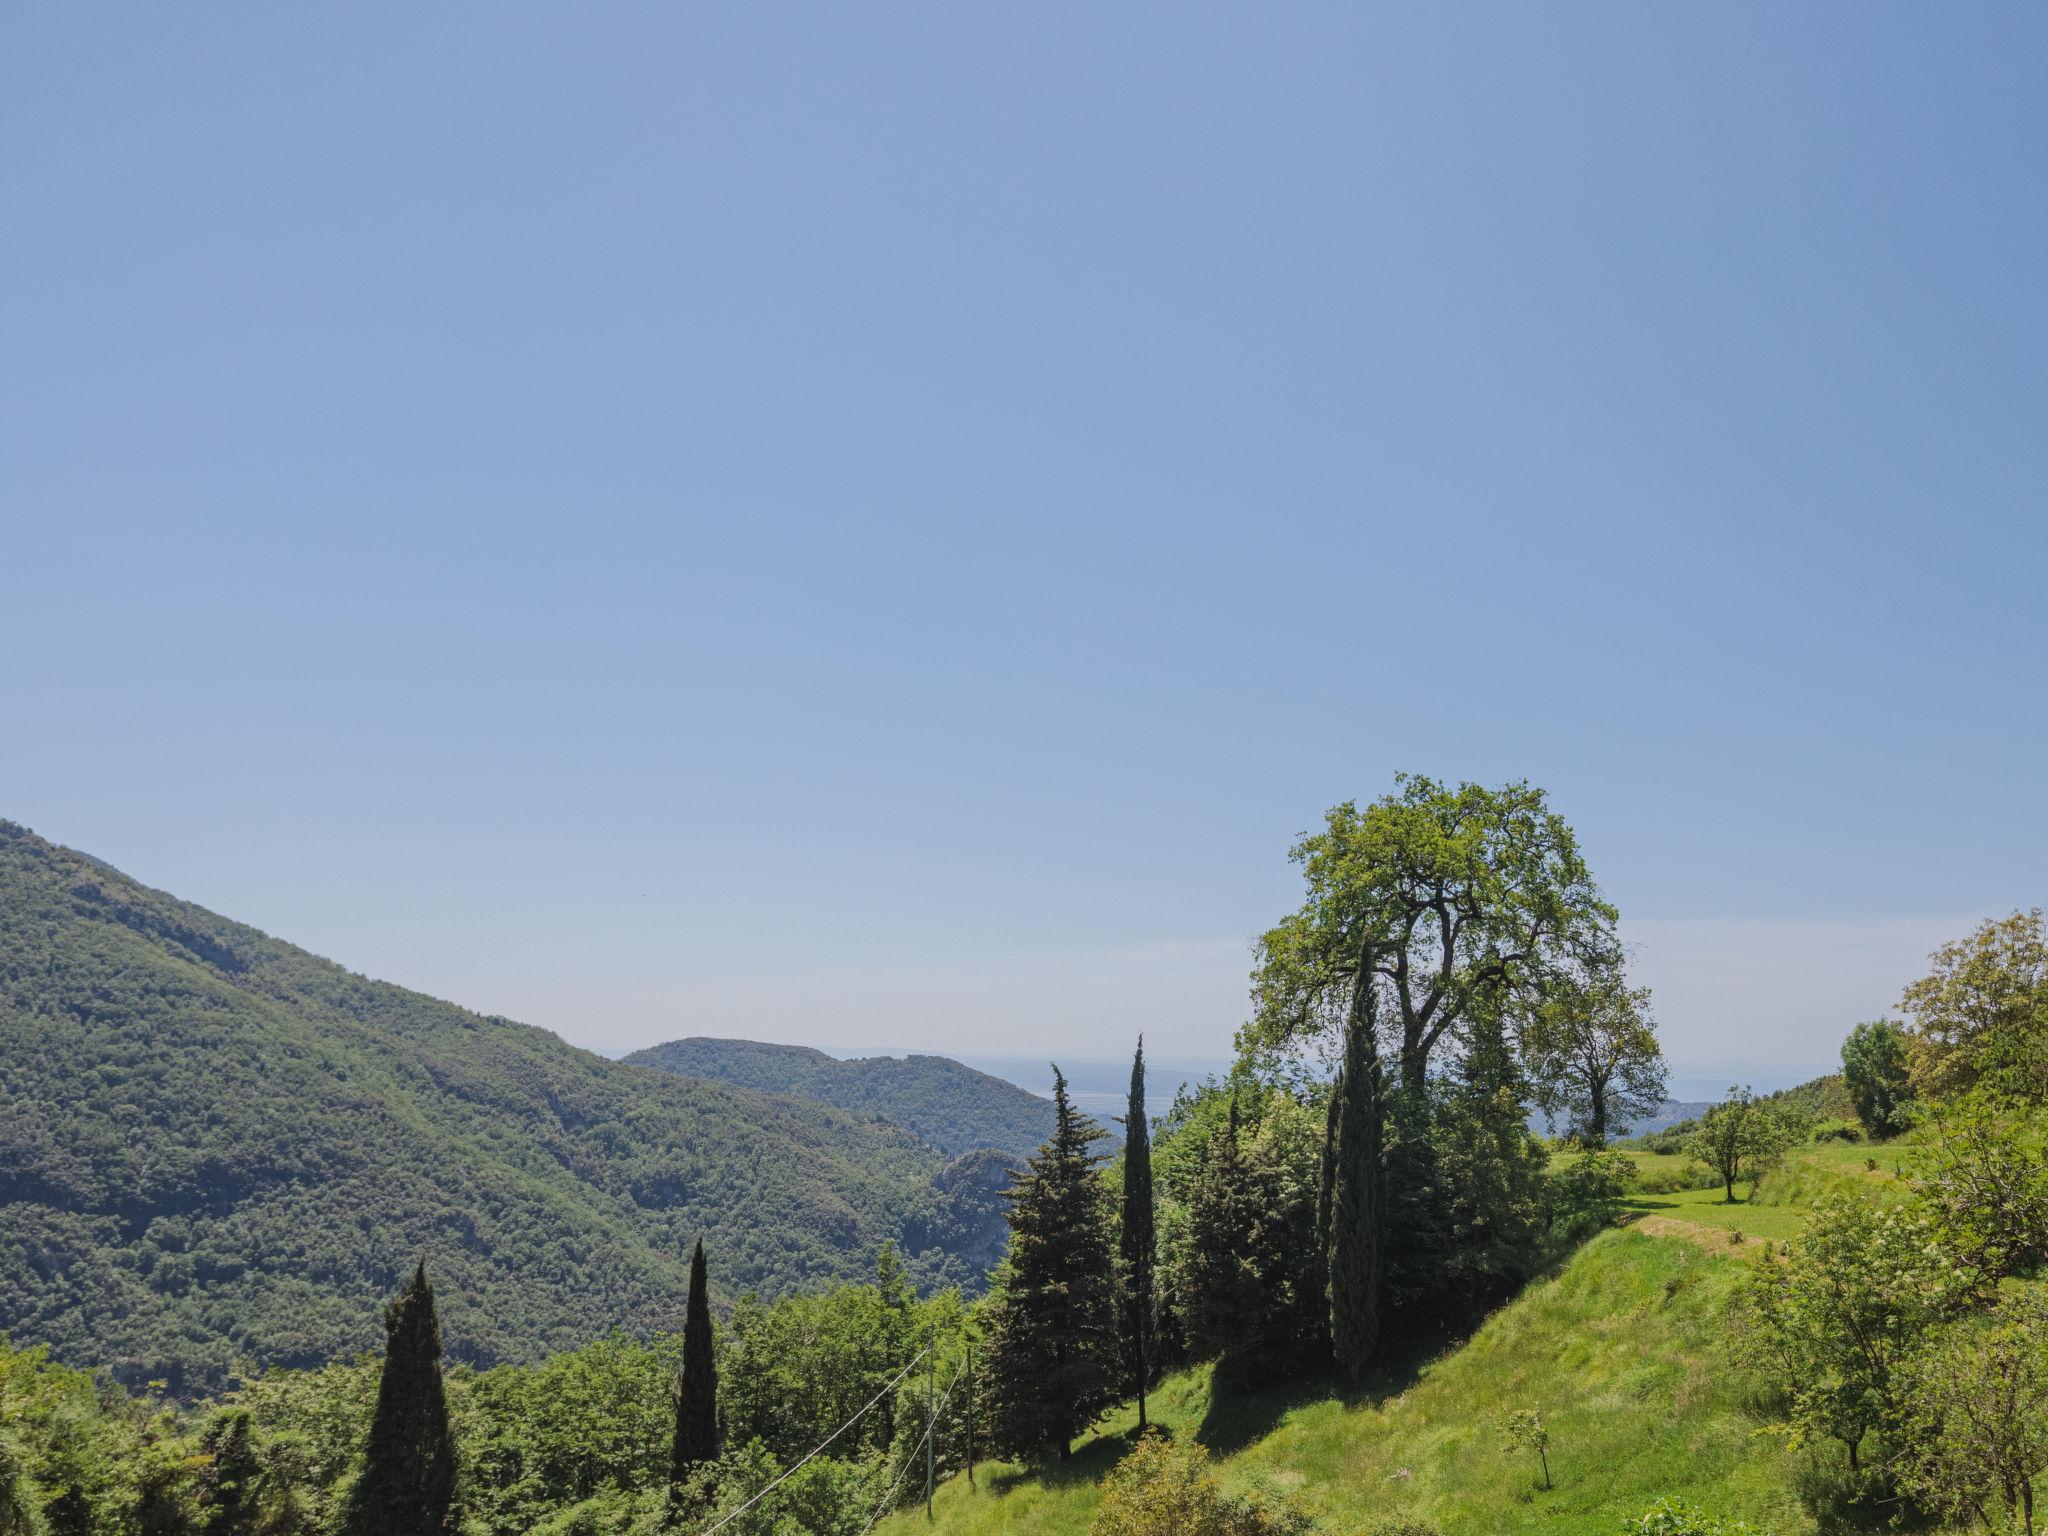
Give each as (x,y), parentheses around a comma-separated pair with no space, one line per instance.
(948,1104)
(216,1147)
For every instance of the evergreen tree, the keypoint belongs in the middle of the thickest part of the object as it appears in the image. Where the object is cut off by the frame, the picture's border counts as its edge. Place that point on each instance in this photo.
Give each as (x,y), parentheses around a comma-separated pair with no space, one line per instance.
(696,1441)
(1053,1364)
(407,1486)
(1494,1172)
(1136,1236)
(1326,1188)
(1356,1218)
(1247,1278)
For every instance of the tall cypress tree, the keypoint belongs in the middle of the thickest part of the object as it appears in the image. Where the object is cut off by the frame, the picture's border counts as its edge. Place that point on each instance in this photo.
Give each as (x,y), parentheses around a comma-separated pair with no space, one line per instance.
(407,1486)
(1326,1191)
(1355,1214)
(1136,1237)
(1052,1362)
(696,1441)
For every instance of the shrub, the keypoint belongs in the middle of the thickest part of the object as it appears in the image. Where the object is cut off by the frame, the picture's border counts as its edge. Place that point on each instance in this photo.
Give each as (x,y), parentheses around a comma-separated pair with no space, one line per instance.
(1165,1488)
(1675,1517)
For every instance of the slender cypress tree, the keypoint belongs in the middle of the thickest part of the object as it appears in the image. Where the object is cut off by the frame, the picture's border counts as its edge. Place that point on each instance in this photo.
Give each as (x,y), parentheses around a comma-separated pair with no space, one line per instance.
(1053,1364)
(1355,1216)
(697,1398)
(407,1486)
(1136,1238)
(1326,1191)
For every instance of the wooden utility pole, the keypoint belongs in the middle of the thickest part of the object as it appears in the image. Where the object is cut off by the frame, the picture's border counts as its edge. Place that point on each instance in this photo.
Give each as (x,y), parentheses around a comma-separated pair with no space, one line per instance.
(969,1368)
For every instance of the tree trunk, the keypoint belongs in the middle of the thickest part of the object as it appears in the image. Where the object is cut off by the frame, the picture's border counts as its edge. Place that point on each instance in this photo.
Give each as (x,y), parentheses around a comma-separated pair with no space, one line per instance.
(1596,1132)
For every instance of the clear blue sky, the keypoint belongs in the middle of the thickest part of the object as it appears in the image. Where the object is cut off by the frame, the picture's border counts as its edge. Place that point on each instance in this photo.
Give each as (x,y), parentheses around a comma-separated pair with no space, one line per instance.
(878,524)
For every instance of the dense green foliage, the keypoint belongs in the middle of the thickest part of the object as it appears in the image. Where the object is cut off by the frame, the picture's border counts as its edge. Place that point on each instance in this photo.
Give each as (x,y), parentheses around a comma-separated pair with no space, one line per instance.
(952,1106)
(217,1148)
(1250,1297)
(1876,1071)
(1980,1015)
(577,1444)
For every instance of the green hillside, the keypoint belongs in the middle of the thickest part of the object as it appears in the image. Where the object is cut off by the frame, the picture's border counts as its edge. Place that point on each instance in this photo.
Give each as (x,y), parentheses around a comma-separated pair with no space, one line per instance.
(217,1148)
(1624,1351)
(952,1106)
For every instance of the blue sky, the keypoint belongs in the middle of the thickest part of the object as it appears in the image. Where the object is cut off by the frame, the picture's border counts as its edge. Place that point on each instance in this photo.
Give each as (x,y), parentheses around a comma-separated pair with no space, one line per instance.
(880,524)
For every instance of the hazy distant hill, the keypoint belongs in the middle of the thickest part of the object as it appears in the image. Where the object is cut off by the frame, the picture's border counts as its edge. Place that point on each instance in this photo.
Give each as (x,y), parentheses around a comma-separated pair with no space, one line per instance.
(217,1147)
(954,1107)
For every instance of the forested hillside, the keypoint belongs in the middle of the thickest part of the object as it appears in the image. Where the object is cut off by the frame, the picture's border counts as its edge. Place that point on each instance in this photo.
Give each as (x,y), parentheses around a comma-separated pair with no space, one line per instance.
(215,1148)
(952,1106)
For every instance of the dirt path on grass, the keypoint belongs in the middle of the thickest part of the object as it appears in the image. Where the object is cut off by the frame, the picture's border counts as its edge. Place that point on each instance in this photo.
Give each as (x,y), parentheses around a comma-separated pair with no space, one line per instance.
(1713,1239)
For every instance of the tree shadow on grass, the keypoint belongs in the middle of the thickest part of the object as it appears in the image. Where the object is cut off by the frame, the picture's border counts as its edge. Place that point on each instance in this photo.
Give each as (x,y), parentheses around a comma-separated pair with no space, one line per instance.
(1239,1415)
(1090,1463)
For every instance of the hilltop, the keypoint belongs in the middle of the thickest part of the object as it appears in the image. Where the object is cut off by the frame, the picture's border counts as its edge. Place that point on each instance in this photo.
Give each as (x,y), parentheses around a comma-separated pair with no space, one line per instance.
(952,1106)
(217,1148)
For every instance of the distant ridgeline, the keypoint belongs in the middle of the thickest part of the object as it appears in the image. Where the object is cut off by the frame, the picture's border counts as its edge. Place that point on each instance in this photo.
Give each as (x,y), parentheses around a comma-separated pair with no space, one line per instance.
(216,1148)
(954,1107)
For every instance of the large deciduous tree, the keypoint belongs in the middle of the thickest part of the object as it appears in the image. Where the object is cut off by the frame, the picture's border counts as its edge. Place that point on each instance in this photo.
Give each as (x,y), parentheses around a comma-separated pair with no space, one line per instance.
(1053,1363)
(407,1485)
(1443,896)
(1836,1321)
(1593,1055)
(1136,1238)
(1740,1134)
(1877,1072)
(1981,1014)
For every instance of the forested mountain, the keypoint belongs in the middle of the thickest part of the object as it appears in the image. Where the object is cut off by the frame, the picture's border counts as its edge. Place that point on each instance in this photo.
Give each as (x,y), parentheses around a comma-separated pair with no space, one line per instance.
(215,1148)
(952,1106)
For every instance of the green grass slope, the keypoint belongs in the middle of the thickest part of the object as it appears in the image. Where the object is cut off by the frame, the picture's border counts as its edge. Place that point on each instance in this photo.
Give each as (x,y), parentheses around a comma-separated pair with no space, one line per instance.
(952,1106)
(215,1147)
(1622,1352)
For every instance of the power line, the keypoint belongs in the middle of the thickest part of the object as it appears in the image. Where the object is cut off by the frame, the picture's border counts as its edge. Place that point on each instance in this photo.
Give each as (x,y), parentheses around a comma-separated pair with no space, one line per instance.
(911,1460)
(842,1429)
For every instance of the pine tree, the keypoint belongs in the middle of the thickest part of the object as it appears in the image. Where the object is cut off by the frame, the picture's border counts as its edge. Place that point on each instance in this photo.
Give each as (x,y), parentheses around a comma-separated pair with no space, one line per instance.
(1053,1364)
(407,1486)
(696,1441)
(1355,1205)
(1136,1236)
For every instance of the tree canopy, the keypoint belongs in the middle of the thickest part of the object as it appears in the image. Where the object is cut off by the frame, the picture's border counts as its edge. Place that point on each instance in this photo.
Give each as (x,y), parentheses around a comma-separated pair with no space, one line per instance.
(1440,895)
